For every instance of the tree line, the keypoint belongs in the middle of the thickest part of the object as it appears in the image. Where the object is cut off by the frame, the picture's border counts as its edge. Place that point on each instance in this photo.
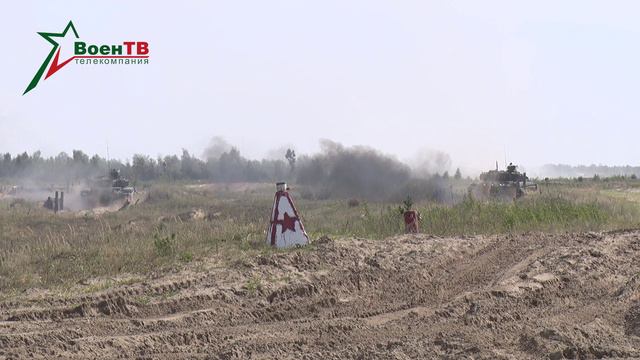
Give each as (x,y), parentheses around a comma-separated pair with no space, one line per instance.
(229,167)
(588,171)
(336,171)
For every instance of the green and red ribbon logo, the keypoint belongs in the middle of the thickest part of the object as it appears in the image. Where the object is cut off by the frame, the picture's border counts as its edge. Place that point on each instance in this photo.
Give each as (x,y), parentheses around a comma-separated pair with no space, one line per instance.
(129,52)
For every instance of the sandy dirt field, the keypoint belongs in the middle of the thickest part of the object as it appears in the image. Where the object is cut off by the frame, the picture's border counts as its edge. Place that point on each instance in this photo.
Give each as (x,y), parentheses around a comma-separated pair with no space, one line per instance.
(532,296)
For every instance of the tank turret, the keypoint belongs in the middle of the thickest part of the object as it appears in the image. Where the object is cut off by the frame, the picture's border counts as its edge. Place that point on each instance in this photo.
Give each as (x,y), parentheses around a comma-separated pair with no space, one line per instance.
(502,184)
(106,189)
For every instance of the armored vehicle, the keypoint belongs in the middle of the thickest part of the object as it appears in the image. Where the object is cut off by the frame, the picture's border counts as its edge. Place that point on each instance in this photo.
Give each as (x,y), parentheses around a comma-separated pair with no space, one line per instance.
(105,190)
(507,184)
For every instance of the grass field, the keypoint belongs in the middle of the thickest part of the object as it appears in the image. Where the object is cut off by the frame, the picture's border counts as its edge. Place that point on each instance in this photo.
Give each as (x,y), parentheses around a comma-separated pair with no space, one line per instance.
(40,249)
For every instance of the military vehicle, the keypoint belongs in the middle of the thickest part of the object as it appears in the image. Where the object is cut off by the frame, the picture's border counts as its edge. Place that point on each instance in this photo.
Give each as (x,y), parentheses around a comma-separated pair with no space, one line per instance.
(507,184)
(105,190)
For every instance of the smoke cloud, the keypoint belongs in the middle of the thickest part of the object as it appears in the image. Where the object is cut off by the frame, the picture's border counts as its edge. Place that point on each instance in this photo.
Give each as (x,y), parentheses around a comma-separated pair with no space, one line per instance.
(428,162)
(352,171)
(217,147)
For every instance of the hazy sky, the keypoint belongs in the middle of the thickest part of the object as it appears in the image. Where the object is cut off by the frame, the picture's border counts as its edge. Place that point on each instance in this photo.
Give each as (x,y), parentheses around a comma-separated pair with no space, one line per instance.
(549,82)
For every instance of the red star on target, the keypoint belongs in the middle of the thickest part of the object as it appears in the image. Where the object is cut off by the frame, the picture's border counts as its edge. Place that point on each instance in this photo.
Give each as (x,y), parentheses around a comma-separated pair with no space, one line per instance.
(289,223)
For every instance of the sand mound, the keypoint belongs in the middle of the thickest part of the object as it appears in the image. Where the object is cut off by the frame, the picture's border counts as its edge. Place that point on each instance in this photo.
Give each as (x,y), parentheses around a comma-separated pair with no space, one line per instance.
(408,297)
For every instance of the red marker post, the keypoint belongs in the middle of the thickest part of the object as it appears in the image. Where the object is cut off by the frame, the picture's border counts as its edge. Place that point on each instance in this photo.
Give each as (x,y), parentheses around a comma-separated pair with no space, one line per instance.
(411,222)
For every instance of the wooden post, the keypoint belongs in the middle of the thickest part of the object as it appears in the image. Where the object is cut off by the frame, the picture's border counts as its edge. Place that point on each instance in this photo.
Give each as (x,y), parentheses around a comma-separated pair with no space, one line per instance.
(61,200)
(55,203)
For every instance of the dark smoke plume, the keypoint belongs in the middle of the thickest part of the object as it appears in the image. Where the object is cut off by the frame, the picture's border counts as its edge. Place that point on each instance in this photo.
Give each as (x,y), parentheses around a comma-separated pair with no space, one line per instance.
(217,147)
(352,172)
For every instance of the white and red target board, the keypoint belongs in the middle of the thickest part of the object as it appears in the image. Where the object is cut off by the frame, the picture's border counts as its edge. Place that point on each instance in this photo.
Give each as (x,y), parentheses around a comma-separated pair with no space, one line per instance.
(286,228)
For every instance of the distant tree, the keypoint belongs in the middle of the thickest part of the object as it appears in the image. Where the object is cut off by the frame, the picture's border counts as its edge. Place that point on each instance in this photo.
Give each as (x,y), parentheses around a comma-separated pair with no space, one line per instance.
(80,157)
(192,167)
(445,175)
(98,163)
(22,160)
(171,167)
(458,174)
(231,166)
(142,167)
(62,158)
(253,172)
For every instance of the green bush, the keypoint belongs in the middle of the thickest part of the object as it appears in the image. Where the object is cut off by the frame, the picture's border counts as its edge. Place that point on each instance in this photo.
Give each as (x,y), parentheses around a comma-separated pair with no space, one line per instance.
(164,244)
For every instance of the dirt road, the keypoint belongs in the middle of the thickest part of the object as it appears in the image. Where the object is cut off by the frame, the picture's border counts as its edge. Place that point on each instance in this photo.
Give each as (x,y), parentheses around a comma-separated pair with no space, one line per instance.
(411,297)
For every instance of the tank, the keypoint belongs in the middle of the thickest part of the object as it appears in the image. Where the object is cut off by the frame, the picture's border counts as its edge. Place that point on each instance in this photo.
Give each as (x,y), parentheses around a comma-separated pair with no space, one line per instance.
(105,190)
(509,184)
